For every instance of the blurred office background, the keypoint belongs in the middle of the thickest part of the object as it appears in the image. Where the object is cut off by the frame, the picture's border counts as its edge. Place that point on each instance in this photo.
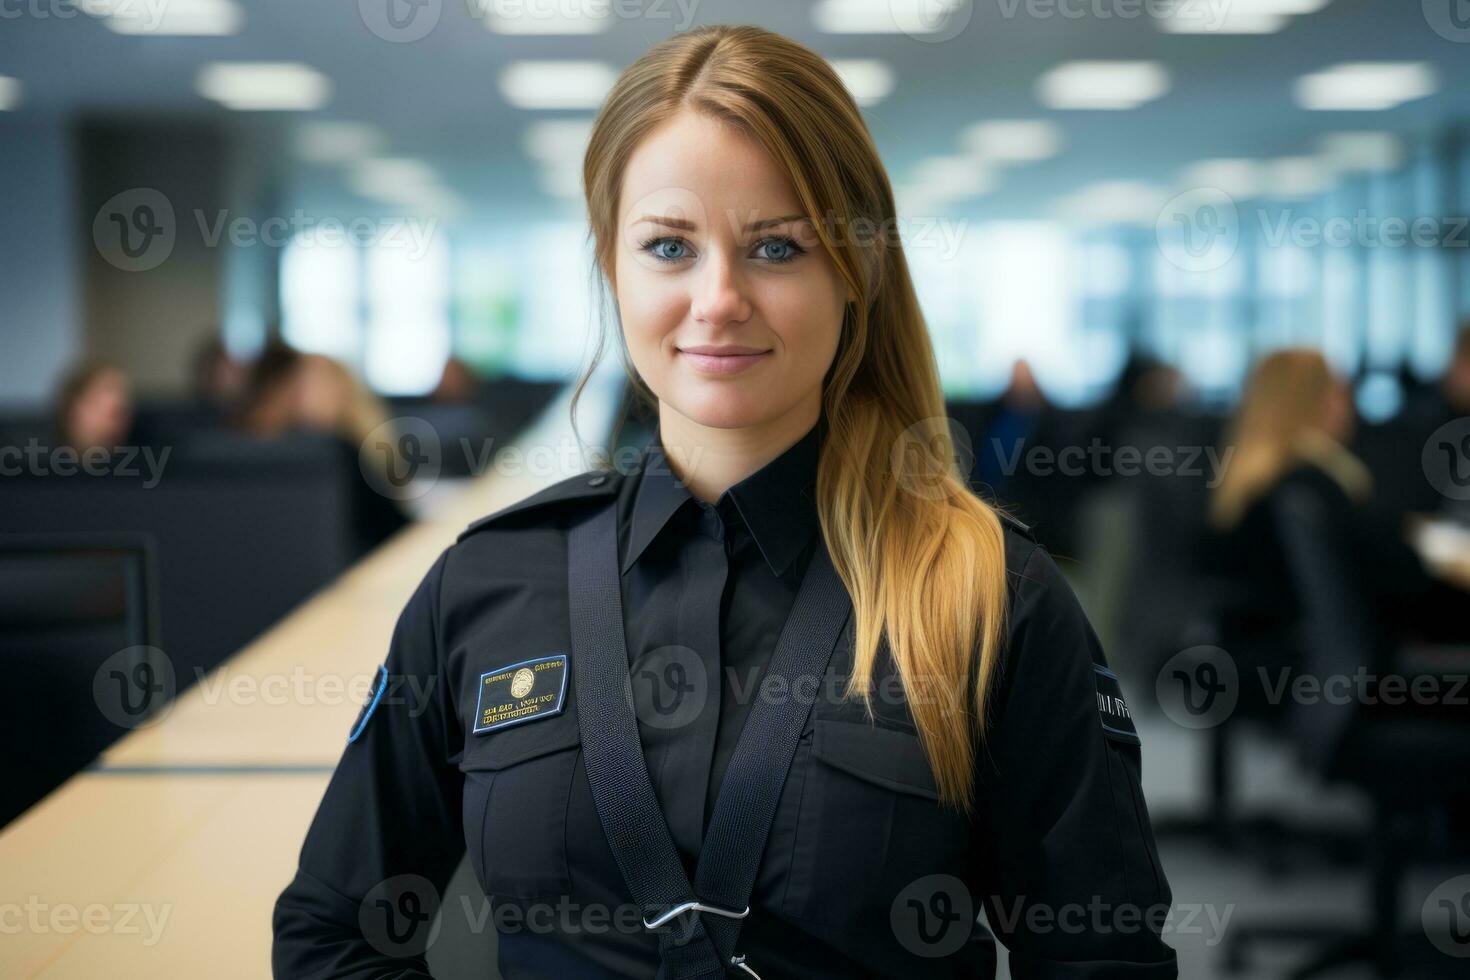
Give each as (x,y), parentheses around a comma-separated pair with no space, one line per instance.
(265,257)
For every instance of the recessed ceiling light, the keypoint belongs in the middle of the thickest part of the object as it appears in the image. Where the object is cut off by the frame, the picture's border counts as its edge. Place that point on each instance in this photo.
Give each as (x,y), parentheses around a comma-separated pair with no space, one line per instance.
(556,84)
(1235,16)
(947,178)
(335,141)
(9,93)
(520,17)
(1295,177)
(1366,85)
(869,80)
(1236,177)
(1012,140)
(558,140)
(1362,152)
(1114,202)
(885,16)
(261,85)
(180,18)
(1102,84)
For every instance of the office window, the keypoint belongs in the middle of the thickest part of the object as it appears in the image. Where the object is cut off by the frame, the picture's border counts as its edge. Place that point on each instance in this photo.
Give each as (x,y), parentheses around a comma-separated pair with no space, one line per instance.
(320,289)
(406,340)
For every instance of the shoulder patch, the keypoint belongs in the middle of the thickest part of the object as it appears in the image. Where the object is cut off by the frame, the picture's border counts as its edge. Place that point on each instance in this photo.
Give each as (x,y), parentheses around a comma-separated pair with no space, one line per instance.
(1112,710)
(586,486)
(1016,524)
(375,695)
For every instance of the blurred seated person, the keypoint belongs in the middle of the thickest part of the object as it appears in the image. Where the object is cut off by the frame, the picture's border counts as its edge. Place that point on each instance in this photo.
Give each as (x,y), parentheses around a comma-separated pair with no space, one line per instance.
(458,383)
(1289,434)
(289,392)
(218,378)
(94,408)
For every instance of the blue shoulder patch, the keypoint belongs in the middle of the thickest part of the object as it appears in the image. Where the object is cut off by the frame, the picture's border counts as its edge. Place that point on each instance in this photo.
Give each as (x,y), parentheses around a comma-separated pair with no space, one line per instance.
(380,684)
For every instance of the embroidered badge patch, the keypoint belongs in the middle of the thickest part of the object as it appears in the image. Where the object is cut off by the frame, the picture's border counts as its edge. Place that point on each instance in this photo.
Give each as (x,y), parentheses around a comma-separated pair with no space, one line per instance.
(1112,709)
(380,683)
(521,692)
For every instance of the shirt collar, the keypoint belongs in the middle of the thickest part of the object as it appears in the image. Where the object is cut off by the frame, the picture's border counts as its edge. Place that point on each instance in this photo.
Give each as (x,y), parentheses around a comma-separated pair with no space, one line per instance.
(777,502)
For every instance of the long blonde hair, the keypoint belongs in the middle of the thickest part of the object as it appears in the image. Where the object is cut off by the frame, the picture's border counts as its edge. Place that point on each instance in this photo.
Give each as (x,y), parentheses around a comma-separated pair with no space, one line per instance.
(1278,425)
(921,556)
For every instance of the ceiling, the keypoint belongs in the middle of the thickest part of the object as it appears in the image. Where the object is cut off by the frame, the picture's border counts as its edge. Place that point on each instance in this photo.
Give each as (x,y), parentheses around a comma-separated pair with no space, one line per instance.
(437,97)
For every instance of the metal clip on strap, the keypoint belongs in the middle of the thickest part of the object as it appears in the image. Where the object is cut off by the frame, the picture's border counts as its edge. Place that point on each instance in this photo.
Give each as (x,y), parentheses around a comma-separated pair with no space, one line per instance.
(739,961)
(695,906)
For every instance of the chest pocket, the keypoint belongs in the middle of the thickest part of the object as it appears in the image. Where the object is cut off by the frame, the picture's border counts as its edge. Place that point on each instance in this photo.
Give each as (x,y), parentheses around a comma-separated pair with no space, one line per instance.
(869,824)
(517,784)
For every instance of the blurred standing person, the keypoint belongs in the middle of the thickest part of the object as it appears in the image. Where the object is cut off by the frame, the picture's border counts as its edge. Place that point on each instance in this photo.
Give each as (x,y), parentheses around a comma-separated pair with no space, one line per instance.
(94,408)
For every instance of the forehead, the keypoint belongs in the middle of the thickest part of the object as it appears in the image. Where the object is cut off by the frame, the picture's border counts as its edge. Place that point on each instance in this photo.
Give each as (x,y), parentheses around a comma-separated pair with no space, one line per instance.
(694,162)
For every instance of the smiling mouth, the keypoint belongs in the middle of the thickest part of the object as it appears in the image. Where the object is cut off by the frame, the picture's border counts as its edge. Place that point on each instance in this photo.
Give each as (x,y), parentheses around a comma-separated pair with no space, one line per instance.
(722,360)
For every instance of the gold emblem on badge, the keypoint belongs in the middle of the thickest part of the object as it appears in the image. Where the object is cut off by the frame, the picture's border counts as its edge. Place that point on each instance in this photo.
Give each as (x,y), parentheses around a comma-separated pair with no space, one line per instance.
(521,683)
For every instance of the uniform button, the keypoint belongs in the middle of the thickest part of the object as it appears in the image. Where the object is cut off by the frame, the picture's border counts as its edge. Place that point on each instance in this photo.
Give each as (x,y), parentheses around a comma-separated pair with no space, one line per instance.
(597,481)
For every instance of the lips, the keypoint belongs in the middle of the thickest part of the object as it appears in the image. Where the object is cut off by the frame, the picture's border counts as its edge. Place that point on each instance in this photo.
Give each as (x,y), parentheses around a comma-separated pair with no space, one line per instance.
(722,359)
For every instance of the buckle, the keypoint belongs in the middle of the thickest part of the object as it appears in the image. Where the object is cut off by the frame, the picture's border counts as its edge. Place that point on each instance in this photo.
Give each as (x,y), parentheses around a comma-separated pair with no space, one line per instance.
(694,906)
(739,962)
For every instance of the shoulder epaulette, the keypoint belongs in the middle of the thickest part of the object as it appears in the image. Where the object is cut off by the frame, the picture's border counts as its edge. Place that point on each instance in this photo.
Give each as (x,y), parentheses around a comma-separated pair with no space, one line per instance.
(1019,526)
(586,486)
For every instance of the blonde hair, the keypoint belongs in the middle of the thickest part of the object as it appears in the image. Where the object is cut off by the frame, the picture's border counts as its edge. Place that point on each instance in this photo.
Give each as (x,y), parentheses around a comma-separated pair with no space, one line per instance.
(922,557)
(1277,426)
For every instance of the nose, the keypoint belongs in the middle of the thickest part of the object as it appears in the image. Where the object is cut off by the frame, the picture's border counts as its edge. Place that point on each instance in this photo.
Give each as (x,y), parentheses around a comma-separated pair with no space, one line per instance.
(719,292)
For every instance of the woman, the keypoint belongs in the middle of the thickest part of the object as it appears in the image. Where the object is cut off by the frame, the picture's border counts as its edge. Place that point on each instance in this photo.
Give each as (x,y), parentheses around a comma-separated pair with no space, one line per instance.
(798,519)
(94,408)
(1289,437)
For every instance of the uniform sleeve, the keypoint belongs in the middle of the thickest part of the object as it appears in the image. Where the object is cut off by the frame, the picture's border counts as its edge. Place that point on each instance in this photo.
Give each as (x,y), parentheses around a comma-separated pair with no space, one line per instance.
(387,835)
(1071,880)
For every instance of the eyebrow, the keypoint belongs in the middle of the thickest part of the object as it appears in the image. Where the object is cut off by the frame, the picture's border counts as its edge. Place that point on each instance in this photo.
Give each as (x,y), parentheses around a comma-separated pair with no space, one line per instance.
(684,225)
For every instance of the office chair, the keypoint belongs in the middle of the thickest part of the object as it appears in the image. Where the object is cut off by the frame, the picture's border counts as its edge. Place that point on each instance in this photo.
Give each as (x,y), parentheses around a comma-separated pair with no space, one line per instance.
(1406,762)
(68,603)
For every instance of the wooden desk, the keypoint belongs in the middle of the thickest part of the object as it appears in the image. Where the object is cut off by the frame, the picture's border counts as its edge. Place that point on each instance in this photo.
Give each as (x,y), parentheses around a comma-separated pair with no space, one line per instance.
(151,876)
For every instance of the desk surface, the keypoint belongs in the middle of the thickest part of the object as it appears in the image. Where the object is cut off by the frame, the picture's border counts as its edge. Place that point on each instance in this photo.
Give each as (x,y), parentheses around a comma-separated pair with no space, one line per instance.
(166,859)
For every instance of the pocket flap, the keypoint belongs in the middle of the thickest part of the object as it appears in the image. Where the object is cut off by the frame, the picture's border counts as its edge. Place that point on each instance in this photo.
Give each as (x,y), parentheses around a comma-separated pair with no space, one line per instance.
(520,743)
(885,757)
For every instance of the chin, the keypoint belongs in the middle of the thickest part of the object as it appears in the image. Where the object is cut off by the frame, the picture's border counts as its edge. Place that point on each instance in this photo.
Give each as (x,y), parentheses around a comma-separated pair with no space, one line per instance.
(724,406)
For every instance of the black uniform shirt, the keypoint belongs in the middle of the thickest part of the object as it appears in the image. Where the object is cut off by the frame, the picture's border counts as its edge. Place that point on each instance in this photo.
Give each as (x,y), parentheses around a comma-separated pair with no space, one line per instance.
(863,874)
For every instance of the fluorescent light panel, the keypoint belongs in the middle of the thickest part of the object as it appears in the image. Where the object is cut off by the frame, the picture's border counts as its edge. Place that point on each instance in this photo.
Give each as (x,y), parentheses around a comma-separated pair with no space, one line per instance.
(1012,140)
(868,79)
(180,18)
(556,84)
(518,17)
(1366,86)
(9,93)
(1102,84)
(884,16)
(264,85)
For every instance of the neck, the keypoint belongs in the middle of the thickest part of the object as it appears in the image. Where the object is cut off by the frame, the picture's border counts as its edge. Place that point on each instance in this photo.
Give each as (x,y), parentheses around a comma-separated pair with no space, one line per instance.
(710,460)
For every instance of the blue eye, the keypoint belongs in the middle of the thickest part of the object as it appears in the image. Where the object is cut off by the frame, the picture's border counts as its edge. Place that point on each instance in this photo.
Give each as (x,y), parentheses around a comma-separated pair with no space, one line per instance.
(659,249)
(786,249)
